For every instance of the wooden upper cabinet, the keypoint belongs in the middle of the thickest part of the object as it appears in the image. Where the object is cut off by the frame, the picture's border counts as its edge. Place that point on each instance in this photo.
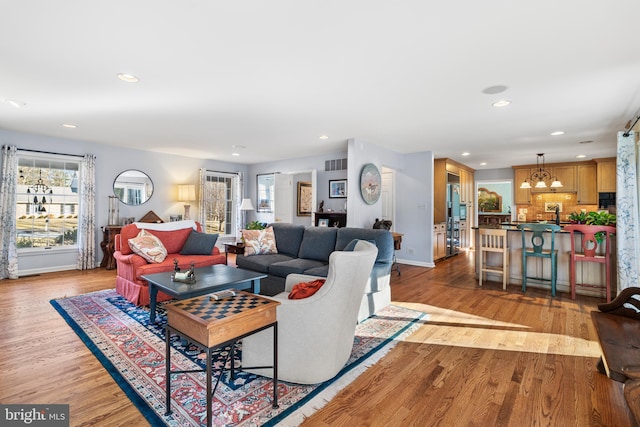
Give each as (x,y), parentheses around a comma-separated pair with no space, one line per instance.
(606,175)
(587,189)
(466,187)
(567,176)
(578,177)
(522,195)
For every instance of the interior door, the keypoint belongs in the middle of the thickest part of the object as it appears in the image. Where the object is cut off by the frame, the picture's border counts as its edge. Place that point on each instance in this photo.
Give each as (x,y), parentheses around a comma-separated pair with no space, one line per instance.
(284,200)
(386,196)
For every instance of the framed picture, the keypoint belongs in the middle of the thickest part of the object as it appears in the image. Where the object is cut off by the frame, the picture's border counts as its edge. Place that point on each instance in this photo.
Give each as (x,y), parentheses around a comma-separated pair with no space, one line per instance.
(266,192)
(337,188)
(304,199)
(551,206)
(174,218)
(489,201)
(323,222)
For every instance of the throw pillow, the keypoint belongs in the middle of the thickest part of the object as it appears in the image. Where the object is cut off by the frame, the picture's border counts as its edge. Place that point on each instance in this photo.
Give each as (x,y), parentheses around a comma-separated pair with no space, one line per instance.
(352,244)
(305,289)
(148,247)
(259,242)
(199,244)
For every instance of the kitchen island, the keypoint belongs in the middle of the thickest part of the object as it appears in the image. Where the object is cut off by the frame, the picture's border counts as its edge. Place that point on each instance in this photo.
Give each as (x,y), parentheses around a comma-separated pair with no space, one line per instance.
(586,272)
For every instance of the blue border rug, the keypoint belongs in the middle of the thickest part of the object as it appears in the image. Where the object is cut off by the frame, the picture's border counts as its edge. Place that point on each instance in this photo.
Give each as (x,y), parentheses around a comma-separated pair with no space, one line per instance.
(133,352)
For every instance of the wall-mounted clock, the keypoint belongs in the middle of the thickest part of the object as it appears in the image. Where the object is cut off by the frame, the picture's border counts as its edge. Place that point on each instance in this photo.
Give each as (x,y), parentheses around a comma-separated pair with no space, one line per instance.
(370,183)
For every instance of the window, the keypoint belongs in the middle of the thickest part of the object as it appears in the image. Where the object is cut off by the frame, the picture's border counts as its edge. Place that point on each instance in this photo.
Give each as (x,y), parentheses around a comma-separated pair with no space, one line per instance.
(218,202)
(47,202)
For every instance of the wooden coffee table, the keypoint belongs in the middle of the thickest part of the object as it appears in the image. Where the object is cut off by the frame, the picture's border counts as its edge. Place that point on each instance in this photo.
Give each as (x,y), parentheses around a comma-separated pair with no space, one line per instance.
(208,279)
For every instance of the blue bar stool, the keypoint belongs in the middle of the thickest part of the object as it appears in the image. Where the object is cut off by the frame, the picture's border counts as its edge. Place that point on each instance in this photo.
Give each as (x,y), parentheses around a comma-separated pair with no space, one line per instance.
(536,250)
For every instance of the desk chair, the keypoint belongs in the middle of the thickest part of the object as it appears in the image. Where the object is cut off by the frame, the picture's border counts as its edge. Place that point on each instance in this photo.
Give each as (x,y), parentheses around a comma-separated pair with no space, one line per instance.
(536,250)
(493,240)
(587,252)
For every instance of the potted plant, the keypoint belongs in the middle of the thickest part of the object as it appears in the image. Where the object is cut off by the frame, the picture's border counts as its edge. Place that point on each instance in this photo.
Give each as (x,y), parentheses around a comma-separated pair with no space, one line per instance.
(578,217)
(255,225)
(601,218)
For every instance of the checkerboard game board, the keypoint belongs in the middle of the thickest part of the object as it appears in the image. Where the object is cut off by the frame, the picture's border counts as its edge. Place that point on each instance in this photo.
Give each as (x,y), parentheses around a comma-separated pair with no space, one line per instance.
(209,309)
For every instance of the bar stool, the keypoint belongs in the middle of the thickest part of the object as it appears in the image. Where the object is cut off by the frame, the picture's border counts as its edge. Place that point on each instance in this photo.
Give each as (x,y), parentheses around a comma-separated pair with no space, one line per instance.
(494,240)
(536,250)
(587,252)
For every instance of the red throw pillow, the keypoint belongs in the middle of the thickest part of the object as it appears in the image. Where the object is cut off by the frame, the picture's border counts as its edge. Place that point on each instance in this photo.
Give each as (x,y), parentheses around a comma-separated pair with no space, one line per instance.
(305,289)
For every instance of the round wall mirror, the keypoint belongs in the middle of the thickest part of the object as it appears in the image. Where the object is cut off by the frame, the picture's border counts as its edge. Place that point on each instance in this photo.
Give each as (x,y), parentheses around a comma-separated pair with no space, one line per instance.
(133,187)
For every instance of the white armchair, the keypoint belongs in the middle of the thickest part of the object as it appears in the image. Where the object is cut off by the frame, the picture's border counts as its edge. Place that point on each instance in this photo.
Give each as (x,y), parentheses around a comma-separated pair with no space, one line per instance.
(315,334)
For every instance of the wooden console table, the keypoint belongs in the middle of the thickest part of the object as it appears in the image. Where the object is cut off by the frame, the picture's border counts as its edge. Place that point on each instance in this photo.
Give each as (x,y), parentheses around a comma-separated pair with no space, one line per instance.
(108,246)
(334,219)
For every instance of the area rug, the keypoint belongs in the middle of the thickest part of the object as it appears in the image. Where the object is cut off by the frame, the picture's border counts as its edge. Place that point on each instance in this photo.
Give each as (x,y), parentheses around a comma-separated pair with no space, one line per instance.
(133,352)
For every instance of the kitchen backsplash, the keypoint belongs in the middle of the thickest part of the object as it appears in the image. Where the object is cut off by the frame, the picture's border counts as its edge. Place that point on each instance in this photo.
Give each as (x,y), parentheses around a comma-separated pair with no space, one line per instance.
(536,211)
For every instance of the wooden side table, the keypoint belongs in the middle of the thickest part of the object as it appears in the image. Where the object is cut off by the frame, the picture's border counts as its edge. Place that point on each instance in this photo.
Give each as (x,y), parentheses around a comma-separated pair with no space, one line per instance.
(218,323)
(108,246)
(232,248)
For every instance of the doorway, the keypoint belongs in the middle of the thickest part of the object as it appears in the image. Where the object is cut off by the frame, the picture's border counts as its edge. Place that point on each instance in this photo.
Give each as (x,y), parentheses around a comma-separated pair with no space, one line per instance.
(387,196)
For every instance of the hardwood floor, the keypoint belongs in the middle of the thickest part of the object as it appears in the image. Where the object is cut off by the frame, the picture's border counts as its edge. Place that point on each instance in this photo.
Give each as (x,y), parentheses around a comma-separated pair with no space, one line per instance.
(485,357)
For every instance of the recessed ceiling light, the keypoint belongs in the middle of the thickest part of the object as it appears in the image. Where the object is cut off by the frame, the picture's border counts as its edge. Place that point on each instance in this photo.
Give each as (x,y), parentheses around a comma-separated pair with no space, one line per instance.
(492,90)
(69,126)
(129,78)
(558,132)
(14,102)
(235,154)
(240,147)
(483,164)
(466,153)
(581,156)
(324,137)
(501,103)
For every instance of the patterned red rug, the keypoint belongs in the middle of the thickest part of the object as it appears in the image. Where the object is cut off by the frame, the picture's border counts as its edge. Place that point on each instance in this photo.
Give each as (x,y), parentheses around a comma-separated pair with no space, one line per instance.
(119,335)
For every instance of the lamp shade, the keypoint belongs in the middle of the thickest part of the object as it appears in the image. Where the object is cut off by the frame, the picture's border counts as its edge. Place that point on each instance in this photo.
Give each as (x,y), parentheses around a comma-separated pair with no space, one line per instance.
(246,205)
(186,193)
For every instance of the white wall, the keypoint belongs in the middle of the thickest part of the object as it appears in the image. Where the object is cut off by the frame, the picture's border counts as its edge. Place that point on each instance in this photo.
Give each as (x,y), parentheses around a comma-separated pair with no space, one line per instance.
(166,171)
(413,197)
(413,188)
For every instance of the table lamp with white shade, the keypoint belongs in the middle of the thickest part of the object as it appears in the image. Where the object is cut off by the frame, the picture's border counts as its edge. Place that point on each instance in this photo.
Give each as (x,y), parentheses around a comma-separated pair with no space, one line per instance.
(186,193)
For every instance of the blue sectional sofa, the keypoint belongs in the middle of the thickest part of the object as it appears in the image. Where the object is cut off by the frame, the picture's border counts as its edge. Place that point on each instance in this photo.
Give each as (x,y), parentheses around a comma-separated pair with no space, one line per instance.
(306,250)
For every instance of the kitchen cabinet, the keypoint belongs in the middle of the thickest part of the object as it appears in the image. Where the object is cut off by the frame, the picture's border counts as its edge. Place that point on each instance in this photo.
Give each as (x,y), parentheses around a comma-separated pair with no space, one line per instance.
(464,234)
(439,240)
(606,175)
(466,187)
(567,176)
(587,188)
(522,195)
(577,178)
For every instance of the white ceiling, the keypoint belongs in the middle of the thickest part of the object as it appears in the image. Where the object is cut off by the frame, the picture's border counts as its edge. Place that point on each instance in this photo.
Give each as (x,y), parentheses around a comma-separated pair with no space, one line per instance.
(273,76)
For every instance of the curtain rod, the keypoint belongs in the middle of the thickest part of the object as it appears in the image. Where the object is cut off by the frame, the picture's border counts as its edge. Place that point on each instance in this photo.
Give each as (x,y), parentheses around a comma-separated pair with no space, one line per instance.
(626,134)
(50,152)
(225,172)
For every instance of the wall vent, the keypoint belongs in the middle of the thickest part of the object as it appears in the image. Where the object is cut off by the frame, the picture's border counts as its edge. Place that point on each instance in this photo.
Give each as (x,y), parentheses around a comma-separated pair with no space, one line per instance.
(335,165)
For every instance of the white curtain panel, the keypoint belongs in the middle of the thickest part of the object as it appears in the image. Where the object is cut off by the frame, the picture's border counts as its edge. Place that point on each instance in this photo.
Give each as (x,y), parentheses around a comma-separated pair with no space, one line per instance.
(8,250)
(201,184)
(628,211)
(86,219)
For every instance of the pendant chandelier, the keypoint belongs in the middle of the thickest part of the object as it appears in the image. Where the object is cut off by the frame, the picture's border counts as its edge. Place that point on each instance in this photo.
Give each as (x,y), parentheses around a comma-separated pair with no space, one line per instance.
(39,187)
(540,175)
